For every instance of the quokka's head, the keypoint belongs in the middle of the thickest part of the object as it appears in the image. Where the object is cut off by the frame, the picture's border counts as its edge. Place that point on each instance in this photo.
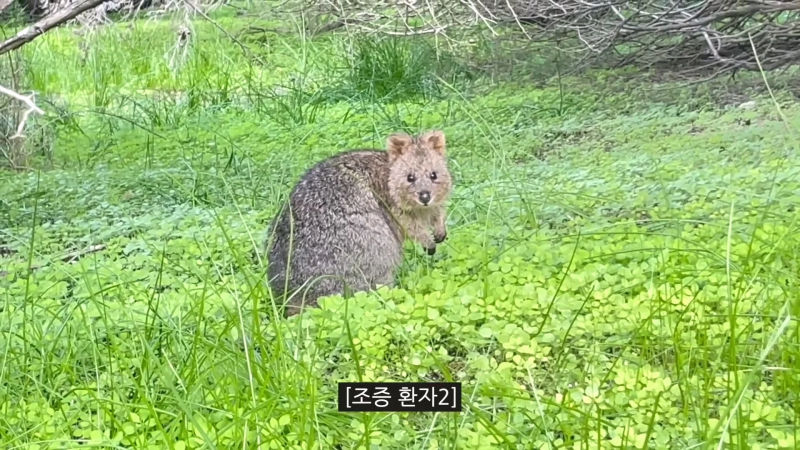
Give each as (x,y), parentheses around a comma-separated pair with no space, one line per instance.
(418,175)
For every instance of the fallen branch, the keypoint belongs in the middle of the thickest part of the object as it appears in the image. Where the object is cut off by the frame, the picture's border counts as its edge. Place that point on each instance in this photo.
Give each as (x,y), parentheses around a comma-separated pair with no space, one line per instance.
(69,258)
(78,254)
(4,4)
(691,38)
(53,20)
(31,108)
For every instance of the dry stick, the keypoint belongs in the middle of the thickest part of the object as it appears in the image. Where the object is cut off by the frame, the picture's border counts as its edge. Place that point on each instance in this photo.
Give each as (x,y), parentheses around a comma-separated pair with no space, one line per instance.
(725,14)
(4,4)
(78,254)
(53,20)
(31,108)
(69,258)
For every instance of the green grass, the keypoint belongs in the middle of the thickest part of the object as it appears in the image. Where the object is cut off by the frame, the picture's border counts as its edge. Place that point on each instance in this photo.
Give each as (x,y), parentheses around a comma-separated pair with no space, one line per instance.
(620,269)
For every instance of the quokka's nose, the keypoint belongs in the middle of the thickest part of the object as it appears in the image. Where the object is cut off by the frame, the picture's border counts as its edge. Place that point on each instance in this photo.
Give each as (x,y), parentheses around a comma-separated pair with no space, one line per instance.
(425,197)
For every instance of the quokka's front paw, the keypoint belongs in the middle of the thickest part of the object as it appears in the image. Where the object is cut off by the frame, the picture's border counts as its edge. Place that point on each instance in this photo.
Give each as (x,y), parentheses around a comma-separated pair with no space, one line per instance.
(439,237)
(431,250)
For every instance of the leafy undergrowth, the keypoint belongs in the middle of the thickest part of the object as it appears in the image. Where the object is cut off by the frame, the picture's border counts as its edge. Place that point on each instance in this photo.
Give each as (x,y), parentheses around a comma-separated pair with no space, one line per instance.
(620,272)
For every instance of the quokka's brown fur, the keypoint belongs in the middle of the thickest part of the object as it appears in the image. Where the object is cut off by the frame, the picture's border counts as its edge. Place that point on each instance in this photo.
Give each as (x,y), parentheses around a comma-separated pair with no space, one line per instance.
(347,217)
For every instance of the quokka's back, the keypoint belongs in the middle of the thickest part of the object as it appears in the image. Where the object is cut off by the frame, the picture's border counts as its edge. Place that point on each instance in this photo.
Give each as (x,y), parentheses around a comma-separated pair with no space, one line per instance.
(347,217)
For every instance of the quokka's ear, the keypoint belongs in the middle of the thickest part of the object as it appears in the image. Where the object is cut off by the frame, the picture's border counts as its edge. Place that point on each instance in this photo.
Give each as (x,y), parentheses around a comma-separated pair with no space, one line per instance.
(435,139)
(396,144)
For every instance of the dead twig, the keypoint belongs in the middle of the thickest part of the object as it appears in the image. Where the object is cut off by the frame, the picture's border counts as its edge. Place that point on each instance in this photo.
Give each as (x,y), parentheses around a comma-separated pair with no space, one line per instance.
(15,154)
(78,254)
(51,21)
(69,258)
(694,37)
(28,102)
(4,4)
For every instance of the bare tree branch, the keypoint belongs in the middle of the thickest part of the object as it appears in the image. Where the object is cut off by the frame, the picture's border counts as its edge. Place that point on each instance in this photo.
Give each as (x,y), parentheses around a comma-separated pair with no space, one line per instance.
(24,119)
(681,35)
(22,98)
(51,21)
(4,4)
(69,258)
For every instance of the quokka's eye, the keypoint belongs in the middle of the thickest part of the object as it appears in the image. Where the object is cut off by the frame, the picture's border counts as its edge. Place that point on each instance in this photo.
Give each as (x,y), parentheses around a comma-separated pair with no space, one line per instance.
(433,176)
(411,178)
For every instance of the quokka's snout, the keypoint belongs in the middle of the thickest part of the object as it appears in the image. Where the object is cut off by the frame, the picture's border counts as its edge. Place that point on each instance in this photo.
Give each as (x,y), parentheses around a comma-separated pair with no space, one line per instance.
(424,197)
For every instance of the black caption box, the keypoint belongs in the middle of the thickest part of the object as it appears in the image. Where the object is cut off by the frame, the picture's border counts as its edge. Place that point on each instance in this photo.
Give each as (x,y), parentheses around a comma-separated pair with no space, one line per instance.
(399,397)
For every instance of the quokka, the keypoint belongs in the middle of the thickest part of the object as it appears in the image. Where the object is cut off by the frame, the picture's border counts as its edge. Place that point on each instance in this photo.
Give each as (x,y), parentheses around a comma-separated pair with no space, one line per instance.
(346,219)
